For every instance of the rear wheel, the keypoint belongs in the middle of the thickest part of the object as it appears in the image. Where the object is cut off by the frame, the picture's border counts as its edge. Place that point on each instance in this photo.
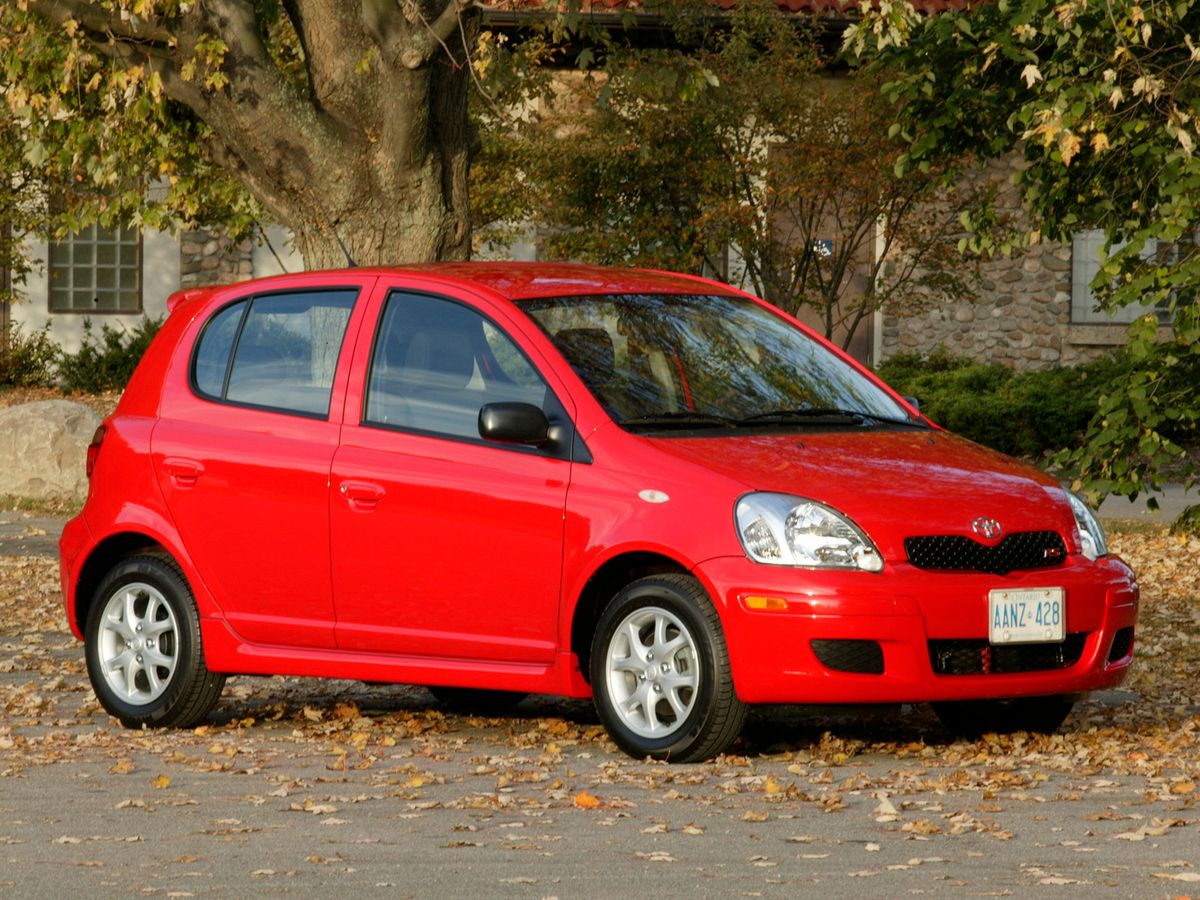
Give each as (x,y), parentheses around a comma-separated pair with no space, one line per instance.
(971,718)
(144,656)
(660,672)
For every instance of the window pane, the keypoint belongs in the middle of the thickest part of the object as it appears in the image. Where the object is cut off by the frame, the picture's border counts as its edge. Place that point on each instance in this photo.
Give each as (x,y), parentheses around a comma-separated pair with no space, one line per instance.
(214,349)
(436,363)
(656,355)
(287,352)
(83,275)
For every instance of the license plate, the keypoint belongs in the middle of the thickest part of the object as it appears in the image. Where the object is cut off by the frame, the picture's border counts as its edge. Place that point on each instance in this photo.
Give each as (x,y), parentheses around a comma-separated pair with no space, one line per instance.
(1037,616)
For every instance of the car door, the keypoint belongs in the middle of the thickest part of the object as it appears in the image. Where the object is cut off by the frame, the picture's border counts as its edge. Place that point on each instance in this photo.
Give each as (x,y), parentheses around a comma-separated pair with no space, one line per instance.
(243,459)
(445,545)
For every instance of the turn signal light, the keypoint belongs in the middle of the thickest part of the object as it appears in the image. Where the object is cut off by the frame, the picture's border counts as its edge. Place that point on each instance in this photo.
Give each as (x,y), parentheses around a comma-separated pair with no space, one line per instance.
(772,604)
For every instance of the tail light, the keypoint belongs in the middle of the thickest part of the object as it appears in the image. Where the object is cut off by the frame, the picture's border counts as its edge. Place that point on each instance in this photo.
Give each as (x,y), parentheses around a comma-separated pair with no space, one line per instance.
(93,450)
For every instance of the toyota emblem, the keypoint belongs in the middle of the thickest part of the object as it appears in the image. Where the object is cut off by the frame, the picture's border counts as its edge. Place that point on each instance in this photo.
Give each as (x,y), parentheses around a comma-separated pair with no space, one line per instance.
(987,528)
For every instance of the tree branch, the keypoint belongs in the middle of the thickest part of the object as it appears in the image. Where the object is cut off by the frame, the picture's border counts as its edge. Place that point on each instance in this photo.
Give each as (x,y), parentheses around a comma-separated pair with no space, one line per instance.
(425,42)
(92,17)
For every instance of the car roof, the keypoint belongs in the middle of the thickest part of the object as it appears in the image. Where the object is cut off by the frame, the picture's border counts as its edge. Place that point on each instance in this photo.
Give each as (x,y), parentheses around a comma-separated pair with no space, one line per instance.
(510,280)
(526,280)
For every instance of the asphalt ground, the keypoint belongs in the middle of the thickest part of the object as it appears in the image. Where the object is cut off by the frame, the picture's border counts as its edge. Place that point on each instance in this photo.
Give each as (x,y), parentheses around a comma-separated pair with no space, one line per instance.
(324,788)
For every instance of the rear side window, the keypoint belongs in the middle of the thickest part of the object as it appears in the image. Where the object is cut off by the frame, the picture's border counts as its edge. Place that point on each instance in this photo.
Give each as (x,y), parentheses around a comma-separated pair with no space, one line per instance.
(275,351)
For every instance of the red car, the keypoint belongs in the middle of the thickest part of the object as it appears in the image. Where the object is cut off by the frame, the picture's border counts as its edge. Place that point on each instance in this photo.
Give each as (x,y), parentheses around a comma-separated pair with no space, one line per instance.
(650,489)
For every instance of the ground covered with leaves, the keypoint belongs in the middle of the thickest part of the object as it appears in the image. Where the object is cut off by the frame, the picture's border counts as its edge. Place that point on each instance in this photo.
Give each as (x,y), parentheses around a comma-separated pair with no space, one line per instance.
(295,784)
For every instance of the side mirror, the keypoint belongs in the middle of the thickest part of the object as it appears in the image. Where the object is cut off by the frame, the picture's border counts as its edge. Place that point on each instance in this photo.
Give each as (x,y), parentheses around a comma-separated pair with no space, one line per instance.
(514,423)
(914,403)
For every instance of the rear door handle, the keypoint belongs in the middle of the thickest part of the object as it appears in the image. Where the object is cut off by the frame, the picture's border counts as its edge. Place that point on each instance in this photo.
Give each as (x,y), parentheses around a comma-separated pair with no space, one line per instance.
(362,495)
(183,472)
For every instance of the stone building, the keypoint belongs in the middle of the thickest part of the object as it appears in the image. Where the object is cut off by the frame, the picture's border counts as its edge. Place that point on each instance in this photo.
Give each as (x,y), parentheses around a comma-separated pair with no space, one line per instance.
(1035,309)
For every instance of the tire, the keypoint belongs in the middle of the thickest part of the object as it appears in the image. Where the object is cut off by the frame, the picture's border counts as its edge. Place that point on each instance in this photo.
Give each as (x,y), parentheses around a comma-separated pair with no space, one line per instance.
(477,701)
(660,672)
(144,655)
(971,718)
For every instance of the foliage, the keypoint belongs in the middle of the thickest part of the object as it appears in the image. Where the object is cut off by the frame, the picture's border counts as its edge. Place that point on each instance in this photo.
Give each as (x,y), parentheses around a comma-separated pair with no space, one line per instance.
(85,132)
(1145,414)
(321,116)
(1188,521)
(1103,101)
(668,157)
(27,361)
(1022,413)
(107,362)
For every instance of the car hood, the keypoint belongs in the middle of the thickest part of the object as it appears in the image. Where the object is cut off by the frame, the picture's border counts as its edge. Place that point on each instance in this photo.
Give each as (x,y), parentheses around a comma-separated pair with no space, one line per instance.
(894,484)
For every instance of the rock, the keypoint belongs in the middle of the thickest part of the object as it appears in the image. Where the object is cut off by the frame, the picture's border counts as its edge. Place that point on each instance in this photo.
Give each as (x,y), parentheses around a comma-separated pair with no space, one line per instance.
(43,449)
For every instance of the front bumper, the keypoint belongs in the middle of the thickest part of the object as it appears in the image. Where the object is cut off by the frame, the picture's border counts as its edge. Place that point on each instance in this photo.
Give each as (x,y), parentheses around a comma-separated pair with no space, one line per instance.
(902,610)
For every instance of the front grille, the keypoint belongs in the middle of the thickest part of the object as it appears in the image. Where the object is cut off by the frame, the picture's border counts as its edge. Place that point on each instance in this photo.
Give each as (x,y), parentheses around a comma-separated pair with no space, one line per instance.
(860,657)
(1121,644)
(956,552)
(972,656)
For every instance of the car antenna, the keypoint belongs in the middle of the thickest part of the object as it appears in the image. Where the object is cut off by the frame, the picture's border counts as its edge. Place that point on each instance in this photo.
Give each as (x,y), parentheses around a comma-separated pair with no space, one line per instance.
(350,263)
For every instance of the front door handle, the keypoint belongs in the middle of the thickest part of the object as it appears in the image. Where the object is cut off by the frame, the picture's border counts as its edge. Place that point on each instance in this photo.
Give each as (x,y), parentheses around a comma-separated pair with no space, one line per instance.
(183,472)
(363,495)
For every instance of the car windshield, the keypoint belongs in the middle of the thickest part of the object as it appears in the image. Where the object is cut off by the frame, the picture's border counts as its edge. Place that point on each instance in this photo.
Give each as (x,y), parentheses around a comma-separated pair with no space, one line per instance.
(688,362)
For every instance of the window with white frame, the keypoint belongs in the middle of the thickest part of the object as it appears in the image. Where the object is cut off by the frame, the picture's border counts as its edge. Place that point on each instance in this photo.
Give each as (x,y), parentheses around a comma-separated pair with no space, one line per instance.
(1085,265)
(98,270)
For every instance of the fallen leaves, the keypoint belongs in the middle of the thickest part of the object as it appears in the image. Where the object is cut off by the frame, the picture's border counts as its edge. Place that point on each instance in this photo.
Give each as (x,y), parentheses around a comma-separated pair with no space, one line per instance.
(584,800)
(1156,828)
(323,748)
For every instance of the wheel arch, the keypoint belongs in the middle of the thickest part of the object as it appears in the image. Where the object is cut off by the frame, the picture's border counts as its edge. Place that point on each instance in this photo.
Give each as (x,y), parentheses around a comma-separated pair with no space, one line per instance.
(603,585)
(102,558)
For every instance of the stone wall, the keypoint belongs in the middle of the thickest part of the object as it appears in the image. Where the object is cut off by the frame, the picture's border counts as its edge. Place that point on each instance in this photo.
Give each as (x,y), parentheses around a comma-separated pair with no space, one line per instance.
(1022,315)
(209,257)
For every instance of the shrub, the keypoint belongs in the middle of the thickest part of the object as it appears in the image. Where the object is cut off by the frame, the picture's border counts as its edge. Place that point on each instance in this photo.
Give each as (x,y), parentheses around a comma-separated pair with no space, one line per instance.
(1020,413)
(106,363)
(27,361)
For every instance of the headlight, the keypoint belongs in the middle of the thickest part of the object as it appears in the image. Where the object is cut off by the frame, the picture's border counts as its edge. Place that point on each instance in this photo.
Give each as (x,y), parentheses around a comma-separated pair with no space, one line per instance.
(782,530)
(1091,533)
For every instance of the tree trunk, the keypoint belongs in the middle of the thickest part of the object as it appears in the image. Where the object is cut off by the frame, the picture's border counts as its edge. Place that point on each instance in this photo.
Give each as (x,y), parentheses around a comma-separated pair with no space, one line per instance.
(362,153)
(392,203)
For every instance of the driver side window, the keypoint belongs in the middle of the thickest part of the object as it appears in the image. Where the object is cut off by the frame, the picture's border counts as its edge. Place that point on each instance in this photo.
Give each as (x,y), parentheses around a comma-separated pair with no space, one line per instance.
(437,362)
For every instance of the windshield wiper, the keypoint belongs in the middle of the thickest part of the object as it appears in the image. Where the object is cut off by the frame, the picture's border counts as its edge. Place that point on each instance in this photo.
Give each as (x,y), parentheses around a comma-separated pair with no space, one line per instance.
(682,420)
(825,412)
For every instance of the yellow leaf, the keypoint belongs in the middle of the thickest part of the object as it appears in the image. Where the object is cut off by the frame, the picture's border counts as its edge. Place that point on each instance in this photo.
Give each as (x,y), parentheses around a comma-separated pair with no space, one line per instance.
(772,786)
(584,800)
(161,782)
(122,767)
(754,816)
(1100,142)
(346,710)
(1068,146)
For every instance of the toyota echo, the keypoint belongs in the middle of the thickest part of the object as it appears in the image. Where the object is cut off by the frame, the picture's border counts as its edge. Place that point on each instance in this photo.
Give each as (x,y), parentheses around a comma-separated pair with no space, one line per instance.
(497,478)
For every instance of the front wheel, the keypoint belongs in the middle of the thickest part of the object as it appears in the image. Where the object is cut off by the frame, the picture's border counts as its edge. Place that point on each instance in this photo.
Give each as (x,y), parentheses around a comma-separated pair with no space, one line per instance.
(660,672)
(971,718)
(144,656)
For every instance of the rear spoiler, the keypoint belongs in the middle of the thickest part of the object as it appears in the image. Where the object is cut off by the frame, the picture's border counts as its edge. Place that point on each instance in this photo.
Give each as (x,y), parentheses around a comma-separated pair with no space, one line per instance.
(182,296)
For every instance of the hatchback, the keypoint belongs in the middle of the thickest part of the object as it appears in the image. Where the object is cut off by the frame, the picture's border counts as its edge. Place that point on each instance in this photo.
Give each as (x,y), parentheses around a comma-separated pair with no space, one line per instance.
(494,479)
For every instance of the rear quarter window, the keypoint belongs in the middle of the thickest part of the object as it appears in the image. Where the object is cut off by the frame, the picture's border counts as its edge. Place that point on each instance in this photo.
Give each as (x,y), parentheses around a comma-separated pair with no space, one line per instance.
(274,351)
